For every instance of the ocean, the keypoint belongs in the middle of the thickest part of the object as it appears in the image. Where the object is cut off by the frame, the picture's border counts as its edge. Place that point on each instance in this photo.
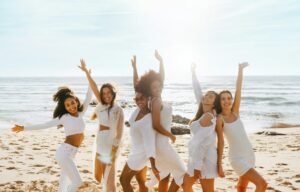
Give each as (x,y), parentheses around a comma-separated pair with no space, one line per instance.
(266,100)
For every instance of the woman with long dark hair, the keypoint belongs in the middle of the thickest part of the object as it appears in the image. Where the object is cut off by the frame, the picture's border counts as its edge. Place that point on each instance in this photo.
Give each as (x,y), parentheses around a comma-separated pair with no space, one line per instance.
(68,113)
(203,155)
(168,161)
(241,155)
(111,121)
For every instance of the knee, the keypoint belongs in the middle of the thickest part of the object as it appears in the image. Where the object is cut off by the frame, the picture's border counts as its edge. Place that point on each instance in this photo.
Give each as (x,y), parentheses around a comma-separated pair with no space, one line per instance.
(263,184)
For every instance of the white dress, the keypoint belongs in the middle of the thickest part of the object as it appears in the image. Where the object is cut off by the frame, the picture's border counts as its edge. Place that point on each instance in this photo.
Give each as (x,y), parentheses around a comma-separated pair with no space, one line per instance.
(241,155)
(202,149)
(142,141)
(206,140)
(167,159)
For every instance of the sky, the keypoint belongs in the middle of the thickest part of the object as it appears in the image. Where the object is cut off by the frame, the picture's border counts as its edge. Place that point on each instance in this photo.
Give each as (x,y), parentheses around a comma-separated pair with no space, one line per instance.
(47,38)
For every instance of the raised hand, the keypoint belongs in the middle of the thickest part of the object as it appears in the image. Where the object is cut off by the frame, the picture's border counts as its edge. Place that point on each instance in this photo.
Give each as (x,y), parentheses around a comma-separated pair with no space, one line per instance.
(193,67)
(133,61)
(82,66)
(243,65)
(158,56)
(17,128)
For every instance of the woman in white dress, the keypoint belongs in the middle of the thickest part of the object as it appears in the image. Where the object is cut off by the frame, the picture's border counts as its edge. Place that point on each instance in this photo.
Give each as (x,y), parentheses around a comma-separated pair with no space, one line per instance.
(142,142)
(168,161)
(241,155)
(111,121)
(68,113)
(203,156)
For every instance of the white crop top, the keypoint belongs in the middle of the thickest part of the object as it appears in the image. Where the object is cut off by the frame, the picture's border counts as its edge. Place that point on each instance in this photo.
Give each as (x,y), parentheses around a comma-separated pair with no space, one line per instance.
(72,125)
(103,118)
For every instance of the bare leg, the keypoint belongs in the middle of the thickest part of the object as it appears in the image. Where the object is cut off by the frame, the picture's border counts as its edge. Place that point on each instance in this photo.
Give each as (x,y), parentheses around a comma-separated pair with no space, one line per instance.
(188,183)
(173,187)
(111,185)
(125,178)
(207,185)
(164,184)
(98,169)
(141,178)
(253,176)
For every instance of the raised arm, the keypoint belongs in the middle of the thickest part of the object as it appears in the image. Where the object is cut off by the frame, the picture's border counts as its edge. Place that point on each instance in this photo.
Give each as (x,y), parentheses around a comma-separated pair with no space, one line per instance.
(88,99)
(135,73)
(161,65)
(53,123)
(156,107)
(196,85)
(220,145)
(92,83)
(238,89)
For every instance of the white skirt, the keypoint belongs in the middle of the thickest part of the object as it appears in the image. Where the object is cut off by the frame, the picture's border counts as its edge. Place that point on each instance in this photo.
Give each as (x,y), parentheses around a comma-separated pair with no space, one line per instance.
(168,161)
(241,165)
(209,170)
(104,146)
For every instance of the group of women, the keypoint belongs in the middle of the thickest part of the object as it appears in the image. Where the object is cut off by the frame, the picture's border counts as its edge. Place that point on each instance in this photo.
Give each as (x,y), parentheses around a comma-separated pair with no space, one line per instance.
(150,131)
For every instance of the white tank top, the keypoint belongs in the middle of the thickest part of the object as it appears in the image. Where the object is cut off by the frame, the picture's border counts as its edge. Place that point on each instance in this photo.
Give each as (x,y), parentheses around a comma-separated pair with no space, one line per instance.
(239,144)
(72,125)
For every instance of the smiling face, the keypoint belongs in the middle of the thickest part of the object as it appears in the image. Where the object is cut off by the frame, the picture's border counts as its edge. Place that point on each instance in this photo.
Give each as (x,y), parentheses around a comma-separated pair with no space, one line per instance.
(209,98)
(156,88)
(225,100)
(71,105)
(141,100)
(107,95)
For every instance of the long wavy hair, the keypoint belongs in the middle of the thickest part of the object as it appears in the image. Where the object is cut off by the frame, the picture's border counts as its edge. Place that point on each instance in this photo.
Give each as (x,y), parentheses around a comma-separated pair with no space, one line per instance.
(144,83)
(114,94)
(60,97)
(200,107)
(219,107)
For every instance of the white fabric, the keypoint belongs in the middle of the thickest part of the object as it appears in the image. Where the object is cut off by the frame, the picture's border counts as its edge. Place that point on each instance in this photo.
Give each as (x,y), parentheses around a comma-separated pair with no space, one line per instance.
(197,88)
(167,160)
(72,125)
(142,141)
(111,119)
(104,146)
(241,155)
(69,179)
(202,149)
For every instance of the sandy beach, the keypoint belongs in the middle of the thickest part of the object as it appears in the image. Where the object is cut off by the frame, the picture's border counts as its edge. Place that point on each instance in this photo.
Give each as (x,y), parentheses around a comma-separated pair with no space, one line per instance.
(27,160)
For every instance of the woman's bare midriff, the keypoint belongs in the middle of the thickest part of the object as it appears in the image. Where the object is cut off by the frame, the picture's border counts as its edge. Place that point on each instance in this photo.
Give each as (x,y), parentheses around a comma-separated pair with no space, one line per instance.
(103,128)
(75,140)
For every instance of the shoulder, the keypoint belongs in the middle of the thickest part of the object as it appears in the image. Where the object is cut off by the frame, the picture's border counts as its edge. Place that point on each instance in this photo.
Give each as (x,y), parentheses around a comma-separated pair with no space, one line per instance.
(220,119)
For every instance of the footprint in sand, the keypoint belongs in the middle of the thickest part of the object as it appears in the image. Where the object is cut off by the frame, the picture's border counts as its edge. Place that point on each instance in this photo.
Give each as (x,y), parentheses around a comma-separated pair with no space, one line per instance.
(10,168)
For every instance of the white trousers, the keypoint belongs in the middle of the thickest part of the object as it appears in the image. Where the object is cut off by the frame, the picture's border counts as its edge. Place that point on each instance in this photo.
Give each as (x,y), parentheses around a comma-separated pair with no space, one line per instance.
(69,180)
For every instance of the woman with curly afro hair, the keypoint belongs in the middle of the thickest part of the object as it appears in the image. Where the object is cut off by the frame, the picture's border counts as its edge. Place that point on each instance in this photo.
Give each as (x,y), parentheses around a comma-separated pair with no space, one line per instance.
(168,161)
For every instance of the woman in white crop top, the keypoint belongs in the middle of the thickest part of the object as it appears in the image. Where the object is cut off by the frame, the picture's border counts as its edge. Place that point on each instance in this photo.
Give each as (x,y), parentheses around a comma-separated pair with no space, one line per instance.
(241,155)
(203,156)
(110,131)
(142,136)
(168,162)
(68,113)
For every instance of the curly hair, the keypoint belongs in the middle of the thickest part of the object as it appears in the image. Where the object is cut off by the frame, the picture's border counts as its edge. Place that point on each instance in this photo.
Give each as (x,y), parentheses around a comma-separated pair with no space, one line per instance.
(60,97)
(144,83)
(219,107)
